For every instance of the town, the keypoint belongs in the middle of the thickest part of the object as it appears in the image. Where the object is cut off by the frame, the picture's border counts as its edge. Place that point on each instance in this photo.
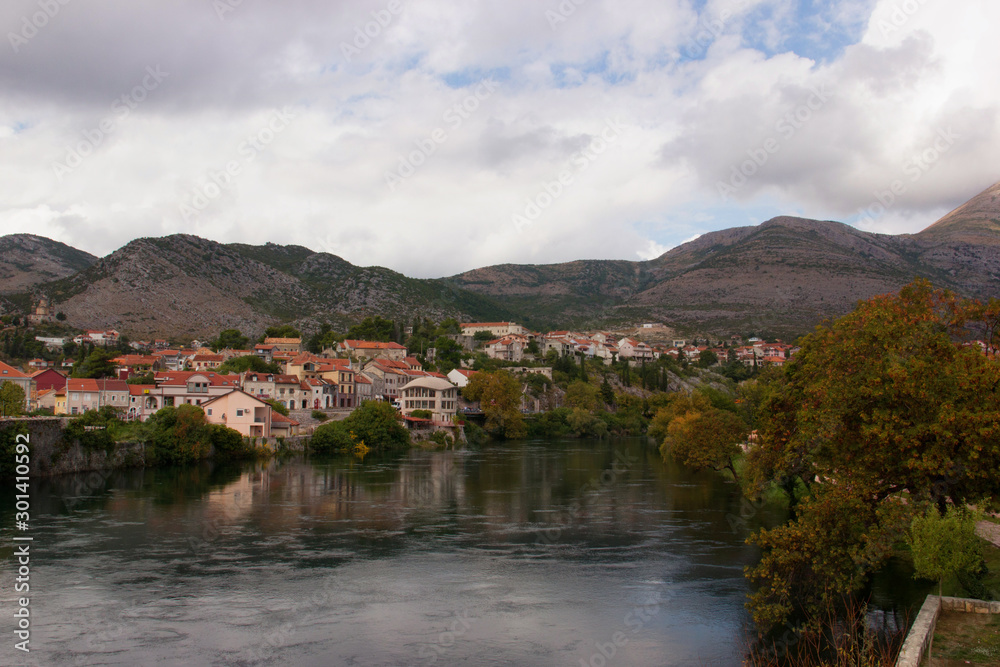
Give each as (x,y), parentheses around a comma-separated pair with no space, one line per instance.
(250,388)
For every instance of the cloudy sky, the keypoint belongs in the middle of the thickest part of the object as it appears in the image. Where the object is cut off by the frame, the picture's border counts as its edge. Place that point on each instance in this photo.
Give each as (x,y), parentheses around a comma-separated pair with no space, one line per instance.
(433,137)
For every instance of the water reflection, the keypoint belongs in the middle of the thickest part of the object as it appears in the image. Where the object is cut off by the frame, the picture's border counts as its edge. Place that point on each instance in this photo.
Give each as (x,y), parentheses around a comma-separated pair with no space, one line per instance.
(555,553)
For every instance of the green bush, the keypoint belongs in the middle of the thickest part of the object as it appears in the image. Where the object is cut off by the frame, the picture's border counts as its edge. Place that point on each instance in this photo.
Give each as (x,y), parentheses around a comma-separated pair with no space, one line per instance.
(422,414)
(320,416)
(229,445)
(375,423)
(8,448)
(178,435)
(93,430)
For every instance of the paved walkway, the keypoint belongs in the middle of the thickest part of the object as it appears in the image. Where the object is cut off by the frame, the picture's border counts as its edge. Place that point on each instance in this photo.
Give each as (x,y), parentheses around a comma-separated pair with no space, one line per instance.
(989,531)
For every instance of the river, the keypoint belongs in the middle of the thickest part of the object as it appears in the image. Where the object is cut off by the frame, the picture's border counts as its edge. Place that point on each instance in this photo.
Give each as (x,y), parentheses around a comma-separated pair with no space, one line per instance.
(529,553)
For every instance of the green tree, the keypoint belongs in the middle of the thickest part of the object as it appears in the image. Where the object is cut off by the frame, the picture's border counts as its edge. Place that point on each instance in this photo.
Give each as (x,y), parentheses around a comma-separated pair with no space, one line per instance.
(884,404)
(944,546)
(375,423)
(178,435)
(376,329)
(708,359)
(250,362)
(483,336)
(11,399)
(582,395)
(145,378)
(98,364)
(499,396)
(231,339)
(277,406)
(607,392)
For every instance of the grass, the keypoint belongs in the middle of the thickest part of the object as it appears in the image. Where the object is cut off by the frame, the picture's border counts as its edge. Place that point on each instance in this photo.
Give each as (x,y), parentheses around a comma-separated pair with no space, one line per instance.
(969,638)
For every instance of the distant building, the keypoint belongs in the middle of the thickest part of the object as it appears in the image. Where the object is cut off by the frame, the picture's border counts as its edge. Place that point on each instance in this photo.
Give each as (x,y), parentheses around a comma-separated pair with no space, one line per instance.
(437,395)
(498,329)
(42,313)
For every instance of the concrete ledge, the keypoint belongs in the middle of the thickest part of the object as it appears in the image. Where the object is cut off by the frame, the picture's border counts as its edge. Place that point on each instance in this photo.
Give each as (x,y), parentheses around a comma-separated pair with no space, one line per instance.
(919,637)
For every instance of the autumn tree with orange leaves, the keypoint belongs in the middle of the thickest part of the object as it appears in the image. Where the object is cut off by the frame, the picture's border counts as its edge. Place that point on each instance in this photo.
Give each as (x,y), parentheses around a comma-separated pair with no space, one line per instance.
(887,410)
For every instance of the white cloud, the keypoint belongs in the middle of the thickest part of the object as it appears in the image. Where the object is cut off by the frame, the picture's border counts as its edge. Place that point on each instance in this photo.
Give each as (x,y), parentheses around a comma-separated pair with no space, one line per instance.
(321,182)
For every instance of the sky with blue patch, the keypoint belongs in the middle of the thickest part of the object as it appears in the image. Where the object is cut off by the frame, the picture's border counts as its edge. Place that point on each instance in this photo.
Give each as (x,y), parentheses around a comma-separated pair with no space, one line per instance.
(436,137)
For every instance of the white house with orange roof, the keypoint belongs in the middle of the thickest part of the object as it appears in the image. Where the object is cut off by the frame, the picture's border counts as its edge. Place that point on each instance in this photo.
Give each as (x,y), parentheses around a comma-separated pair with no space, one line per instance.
(630,348)
(460,377)
(241,412)
(193,387)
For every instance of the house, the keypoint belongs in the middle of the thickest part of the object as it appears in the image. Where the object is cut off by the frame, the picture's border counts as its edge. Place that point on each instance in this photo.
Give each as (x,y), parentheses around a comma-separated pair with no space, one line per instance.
(363,389)
(339,374)
(386,378)
(49,378)
(135,364)
(629,348)
(285,389)
(290,346)
(241,412)
(59,402)
(317,393)
(460,377)
(83,394)
(364,349)
(282,426)
(51,343)
(192,387)
(25,382)
(413,363)
(169,360)
(265,352)
(46,400)
(508,348)
(437,395)
(498,329)
(144,400)
(39,363)
(206,362)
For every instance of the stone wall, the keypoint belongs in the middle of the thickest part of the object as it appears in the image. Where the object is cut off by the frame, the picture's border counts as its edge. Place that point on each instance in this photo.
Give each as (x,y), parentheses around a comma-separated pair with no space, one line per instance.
(52,455)
(919,637)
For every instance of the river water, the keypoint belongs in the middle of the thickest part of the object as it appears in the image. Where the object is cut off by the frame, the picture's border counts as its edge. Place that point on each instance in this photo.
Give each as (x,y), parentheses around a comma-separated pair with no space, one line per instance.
(530,553)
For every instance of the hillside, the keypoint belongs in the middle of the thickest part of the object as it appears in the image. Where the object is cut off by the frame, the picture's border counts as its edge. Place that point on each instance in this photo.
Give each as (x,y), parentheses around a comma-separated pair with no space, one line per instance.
(183,285)
(782,276)
(27,260)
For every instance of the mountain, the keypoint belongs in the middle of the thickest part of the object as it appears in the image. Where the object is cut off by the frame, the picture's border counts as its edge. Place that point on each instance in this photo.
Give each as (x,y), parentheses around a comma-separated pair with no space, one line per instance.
(782,276)
(183,285)
(27,260)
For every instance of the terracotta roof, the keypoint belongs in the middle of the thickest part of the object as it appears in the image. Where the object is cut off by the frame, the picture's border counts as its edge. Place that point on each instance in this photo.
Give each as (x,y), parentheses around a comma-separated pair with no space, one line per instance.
(140,389)
(371,345)
(7,371)
(282,419)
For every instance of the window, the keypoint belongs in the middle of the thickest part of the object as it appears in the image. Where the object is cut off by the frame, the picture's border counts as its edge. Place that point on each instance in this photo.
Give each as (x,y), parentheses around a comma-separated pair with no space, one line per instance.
(208,412)
(239,413)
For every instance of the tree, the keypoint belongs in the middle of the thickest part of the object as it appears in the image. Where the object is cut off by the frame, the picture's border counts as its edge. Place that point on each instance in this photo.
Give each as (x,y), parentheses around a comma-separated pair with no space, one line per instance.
(250,362)
(61,316)
(145,378)
(11,399)
(375,423)
(944,545)
(579,394)
(277,406)
(885,403)
(607,392)
(499,396)
(483,336)
(707,359)
(281,331)
(231,339)
(706,439)
(98,364)
(376,329)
